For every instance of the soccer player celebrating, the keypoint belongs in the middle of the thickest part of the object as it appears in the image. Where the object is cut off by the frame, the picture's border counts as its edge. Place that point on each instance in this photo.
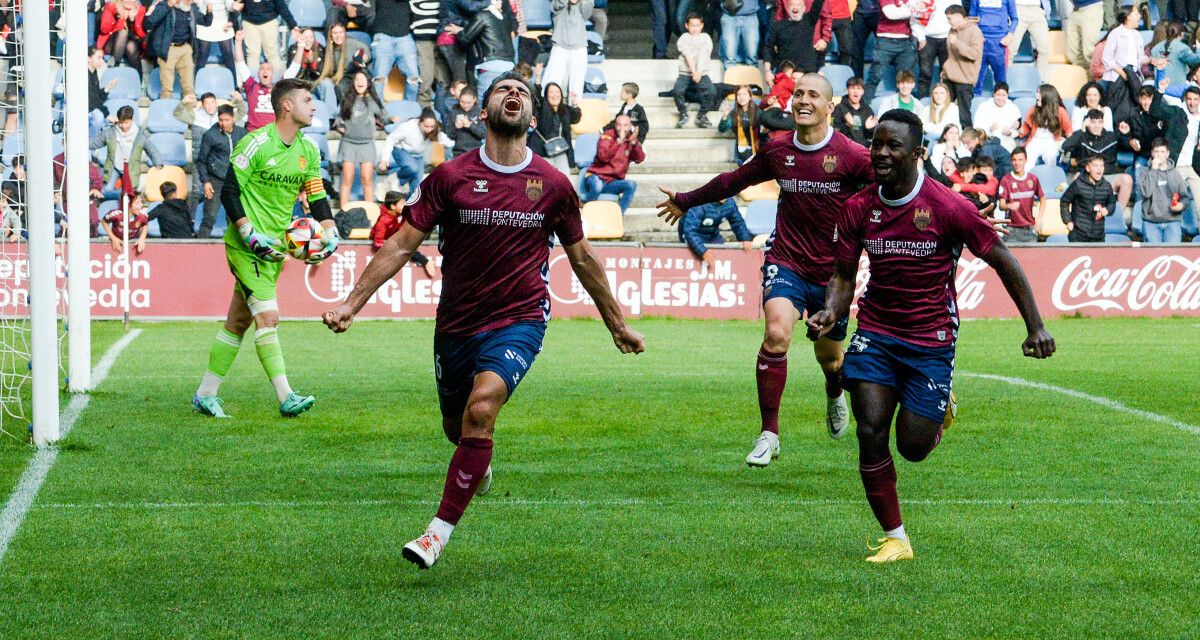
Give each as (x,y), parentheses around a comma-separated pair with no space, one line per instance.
(499,208)
(902,353)
(270,169)
(817,169)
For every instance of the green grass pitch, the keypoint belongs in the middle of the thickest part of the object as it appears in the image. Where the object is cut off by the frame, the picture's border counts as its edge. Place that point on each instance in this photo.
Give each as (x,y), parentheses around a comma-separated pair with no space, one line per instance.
(622,506)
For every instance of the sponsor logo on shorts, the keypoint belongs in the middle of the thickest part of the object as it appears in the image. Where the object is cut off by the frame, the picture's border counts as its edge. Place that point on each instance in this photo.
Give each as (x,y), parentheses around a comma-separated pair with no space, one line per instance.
(513,355)
(859,344)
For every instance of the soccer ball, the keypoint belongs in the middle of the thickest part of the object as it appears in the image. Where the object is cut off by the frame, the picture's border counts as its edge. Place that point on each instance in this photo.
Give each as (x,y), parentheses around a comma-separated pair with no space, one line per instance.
(303,238)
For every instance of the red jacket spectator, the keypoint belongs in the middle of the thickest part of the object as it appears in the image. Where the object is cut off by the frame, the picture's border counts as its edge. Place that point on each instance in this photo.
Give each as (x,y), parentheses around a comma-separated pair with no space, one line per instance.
(109,24)
(782,88)
(613,158)
(386,225)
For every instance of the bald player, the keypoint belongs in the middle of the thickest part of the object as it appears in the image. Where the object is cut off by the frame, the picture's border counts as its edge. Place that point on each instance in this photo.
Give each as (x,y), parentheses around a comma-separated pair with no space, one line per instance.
(817,169)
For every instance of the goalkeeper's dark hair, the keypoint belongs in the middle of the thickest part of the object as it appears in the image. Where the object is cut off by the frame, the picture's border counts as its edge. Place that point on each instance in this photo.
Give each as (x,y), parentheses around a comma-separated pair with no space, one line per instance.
(509,75)
(916,131)
(283,90)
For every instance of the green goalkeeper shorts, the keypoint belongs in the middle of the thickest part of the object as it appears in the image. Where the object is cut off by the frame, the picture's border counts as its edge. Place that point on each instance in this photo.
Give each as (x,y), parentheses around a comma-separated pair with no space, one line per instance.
(255,278)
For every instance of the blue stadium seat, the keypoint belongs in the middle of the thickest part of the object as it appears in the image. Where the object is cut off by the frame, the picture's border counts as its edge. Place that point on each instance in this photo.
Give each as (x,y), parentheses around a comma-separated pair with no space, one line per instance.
(1189,221)
(59,89)
(162,117)
(978,100)
(308,13)
(1196,240)
(837,75)
(14,145)
(1023,80)
(1115,223)
(129,83)
(886,86)
(406,109)
(1116,238)
(218,226)
(1057,239)
(322,143)
(585,148)
(172,149)
(215,80)
(1024,49)
(107,206)
(875,104)
(153,230)
(595,84)
(592,36)
(112,105)
(1025,103)
(1147,36)
(537,14)
(760,216)
(1136,222)
(361,36)
(154,87)
(1051,177)
(320,121)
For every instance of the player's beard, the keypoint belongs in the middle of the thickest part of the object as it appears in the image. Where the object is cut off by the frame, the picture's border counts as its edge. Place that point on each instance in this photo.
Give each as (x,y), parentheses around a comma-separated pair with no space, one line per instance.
(506,126)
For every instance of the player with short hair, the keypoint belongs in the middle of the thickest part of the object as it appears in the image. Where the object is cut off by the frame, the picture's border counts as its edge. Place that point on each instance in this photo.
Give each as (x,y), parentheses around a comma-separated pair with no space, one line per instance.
(499,208)
(269,169)
(817,169)
(902,352)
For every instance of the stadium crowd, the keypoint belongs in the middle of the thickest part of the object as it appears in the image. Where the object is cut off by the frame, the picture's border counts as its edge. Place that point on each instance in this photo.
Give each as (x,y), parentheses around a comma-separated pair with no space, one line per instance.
(1093,118)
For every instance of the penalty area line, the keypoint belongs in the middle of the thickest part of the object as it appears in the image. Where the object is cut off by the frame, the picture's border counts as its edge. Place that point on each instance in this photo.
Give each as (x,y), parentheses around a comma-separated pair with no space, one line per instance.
(21,500)
(1100,400)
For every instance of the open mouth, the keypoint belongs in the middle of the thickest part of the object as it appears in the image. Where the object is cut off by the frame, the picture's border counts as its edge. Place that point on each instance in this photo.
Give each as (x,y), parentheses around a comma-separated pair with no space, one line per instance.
(804,112)
(511,105)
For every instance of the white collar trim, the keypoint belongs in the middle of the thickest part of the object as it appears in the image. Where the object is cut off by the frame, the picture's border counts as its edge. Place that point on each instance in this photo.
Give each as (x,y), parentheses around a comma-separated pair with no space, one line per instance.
(503,168)
(812,147)
(906,199)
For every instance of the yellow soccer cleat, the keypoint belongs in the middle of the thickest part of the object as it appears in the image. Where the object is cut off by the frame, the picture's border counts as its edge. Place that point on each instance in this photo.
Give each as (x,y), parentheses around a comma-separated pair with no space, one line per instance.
(951,411)
(891,550)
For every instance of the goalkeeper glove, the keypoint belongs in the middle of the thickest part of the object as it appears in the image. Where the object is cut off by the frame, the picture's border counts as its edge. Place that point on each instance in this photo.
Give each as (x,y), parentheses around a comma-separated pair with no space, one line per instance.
(330,237)
(261,245)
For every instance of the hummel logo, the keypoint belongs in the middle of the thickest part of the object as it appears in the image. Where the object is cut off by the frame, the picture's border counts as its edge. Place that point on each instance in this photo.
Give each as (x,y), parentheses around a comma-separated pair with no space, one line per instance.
(481,186)
(790,161)
(464,480)
(876,215)
(763,367)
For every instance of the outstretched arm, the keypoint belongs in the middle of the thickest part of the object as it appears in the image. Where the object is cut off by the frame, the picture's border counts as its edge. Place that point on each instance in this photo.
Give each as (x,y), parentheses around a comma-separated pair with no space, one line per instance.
(396,253)
(1039,344)
(587,268)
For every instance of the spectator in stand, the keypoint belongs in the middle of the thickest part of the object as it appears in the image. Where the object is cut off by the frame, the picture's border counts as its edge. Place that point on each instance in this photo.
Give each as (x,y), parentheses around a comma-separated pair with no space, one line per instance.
(934,50)
(360,13)
(1018,192)
(695,51)
(1045,126)
(997,21)
(739,33)
(361,116)
(1165,194)
(1124,53)
(964,59)
(1173,57)
(801,35)
(742,118)
(122,32)
(1094,141)
(949,144)
(701,226)
(903,98)
(1154,119)
(983,185)
(895,49)
(125,143)
(306,57)
(201,116)
(776,120)
(630,107)
(999,117)
(218,32)
(1083,30)
(618,148)
(783,84)
(1188,158)
(568,54)
(114,223)
(172,26)
(212,163)
(1031,19)
(410,142)
(863,24)
(260,25)
(173,215)
(600,18)
(1086,202)
(389,222)
(257,89)
(940,111)
(981,145)
(446,103)
(1090,97)
(852,116)
(466,129)
(14,186)
(430,63)
(339,63)
(552,137)
(393,44)
(97,112)
(489,34)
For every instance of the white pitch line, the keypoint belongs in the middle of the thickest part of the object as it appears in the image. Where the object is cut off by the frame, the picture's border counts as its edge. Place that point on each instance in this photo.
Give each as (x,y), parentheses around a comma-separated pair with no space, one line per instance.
(1100,400)
(35,474)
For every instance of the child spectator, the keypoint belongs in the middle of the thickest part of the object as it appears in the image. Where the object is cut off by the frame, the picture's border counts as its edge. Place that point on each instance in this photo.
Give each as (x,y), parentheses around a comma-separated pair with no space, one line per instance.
(552,138)
(695,50)
(389,222)
(466,129)
(1086,202)
(257,88)
(446,103)
(1045,126)
(173,215)
(983,146)
(618,148)
(981,185)
(782,85)
(852,116)
(630,107)
(114,222)
(1166,196)
(701,226)
(212,164)
(125,142)
(903,98)
(999,117)
(1018,192)
(360,118)
(410,142)
(743,120)
(949,144)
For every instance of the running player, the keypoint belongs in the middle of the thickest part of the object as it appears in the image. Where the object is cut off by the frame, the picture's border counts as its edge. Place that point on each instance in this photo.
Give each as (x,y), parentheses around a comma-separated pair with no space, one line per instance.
(902,352)
(499,208)
(269,169)
(817,169)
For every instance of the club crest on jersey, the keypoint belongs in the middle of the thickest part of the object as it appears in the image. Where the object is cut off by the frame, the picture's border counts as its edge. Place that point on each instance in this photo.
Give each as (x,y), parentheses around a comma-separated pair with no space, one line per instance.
(790,161)
(921,219)
(303,162)
(481,186)
(830,164)
(533,189)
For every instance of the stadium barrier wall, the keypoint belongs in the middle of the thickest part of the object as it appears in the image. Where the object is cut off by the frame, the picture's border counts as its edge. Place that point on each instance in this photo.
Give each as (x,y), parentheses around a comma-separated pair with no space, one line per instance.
(190,280)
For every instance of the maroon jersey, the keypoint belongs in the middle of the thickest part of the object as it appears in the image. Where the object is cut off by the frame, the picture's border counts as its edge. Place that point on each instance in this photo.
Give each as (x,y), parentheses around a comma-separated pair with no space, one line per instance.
(497,224)
(814,181)
(913,245)
(1023,191)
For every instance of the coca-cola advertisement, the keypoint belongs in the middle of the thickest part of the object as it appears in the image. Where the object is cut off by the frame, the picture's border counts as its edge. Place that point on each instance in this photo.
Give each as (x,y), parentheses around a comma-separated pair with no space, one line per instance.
(190,280)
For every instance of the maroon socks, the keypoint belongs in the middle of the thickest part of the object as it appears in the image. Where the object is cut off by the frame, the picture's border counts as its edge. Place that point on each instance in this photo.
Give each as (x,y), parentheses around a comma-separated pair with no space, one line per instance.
(879,479)
(467,466)
(772,376)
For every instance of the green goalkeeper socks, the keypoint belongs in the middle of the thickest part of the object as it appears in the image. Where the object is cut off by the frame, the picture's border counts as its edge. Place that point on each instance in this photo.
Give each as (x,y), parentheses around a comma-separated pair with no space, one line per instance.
(221,355)
(270,354)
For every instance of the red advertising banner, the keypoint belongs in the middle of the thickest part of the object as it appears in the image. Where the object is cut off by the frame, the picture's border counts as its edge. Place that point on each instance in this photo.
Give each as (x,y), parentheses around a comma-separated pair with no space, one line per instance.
(190,280)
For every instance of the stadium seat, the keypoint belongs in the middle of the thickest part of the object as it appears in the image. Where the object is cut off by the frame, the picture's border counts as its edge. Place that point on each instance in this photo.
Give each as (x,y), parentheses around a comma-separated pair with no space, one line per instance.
(308,13)
(1058,238)
(876,103)
(1115,223)
(107,206)
(161,117)
(595,85)
(361,36)
(437,154)
(595,116)
(976,101)
(154,87)
(219,225)
(1053,179)
(1147,36)
(1023,80)
(215,80)
(1024,49)
(405,109)
(538,15)
(1116,238)
(1058,47)
(1025,103)
(1067,78)
(393,89)
(158,175)
(172,148)
(153,230)
(585,149)
(14,145)
(112,105)
(1189,221)
(760,216)
(321,117)
(1196,240)
(743,74)
(837,75)
(129,83)
(594,38)
(1050,223)
(768,190)
(322,143)
(602,220)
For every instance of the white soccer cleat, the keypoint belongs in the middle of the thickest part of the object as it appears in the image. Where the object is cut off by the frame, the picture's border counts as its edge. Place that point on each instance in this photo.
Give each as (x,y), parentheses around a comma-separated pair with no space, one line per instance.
(837,416)
(425,550)
(485,485)
(766,449)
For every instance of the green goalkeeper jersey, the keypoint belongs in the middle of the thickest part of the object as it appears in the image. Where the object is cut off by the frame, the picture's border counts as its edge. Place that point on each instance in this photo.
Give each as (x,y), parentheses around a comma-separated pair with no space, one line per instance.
(270,176)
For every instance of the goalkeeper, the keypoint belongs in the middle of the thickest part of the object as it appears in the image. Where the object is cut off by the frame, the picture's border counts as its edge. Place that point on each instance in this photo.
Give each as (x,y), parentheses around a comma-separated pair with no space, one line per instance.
(269,169)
